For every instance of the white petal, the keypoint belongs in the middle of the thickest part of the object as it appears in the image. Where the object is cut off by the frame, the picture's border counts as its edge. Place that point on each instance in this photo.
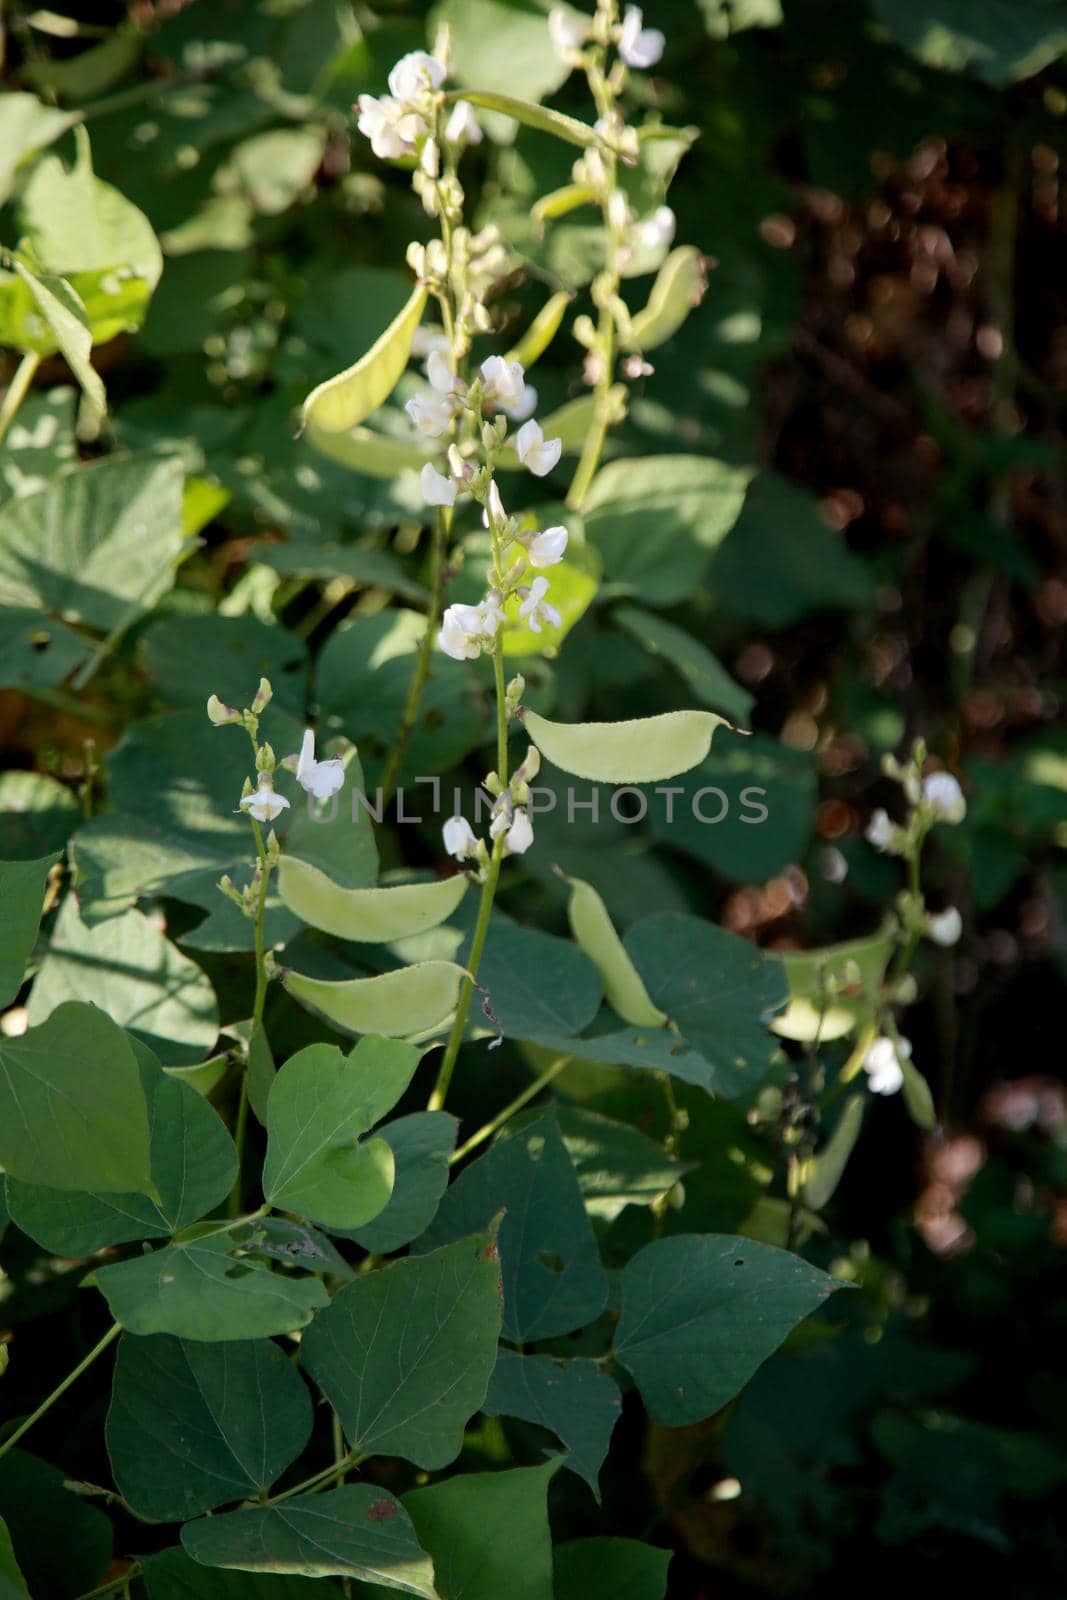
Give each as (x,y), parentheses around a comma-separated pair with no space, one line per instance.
(519,836)
(437,490)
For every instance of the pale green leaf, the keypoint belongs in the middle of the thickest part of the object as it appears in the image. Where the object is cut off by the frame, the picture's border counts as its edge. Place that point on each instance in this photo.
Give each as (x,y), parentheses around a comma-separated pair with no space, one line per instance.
(68,323)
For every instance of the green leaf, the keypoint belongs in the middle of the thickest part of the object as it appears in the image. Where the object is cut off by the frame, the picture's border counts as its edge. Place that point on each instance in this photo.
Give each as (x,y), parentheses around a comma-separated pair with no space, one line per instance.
(616,1165)
(573,1399)
(656,521)
(72,1108)
(458,1520)
(192,1162)
(718,989)
(320,1103)
(679,287)
(536,983)
(22,885)
(40,439)
(641,750)
(835,990)
(132,970)
(706,678)
(1001,41)
(747,810)
(609,1569)
(26,125)
(552,1274)
(192,1426)
(37,815)
(358,1531)
(12,1583)
(502,41)
(174,1575)
(376,916)
(404,1354)
(782,562)
(35,652)
(207,1289)
(421,1144)
(411,1002)
(272,170)
(98,544)
(61,1541)
(188,659)
(87,232)
(701,1313)
(348,399)
(68,324)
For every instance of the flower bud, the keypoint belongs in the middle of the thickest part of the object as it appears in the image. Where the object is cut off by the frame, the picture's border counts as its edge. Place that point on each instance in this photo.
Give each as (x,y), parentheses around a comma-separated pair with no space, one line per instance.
(221,715)
(264,695)
(265,761)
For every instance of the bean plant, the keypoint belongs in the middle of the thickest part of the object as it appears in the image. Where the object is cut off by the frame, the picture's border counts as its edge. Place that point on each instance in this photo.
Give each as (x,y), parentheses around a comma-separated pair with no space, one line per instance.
(369,1271)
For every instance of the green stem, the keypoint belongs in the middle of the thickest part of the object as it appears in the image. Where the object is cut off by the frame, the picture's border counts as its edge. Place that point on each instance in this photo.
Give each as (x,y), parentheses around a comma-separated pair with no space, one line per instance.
(57,1393)
(481,929)
(317,1479)
(511,1109)
(421,671)
(17,390)
(258,1004)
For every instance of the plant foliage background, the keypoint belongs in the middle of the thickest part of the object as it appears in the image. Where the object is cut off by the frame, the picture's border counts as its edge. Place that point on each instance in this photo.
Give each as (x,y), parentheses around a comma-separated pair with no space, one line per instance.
(833,514)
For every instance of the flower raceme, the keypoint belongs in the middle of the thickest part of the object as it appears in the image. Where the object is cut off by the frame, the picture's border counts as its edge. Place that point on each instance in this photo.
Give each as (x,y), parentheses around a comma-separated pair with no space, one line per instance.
(394,123)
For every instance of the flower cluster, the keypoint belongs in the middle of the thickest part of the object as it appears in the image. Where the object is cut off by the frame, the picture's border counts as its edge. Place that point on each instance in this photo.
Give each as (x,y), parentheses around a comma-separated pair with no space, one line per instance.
(638,46)
(510,828)
(883,1064)
(261,801)
(397,122)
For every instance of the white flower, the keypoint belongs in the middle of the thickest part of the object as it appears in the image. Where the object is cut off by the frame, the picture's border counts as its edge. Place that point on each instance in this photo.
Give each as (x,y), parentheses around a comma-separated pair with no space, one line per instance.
(466,630)
(428,339)
(568,31)
(535,609)
(437,490)
(945,927)
(415,74)
(538,454)
(880,830)
(525,405)
(882,1064)
(504,381)
(263,803)
(519,836)
(459,837)
(494,514)
(463,126)
(431,413)
(944,797)
(638,46)
(321,778)
(547,547)
(391,127)
(440,374)
(657,231)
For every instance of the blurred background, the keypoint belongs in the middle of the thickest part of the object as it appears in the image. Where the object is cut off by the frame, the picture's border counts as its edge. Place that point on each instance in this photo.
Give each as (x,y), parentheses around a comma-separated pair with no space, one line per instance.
(877,187)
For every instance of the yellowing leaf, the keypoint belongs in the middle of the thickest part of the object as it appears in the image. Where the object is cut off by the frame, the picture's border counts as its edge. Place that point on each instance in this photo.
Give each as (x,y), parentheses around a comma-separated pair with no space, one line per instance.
(594,932)
(348,399)
(376,916)
(645,750)
(410,1002)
